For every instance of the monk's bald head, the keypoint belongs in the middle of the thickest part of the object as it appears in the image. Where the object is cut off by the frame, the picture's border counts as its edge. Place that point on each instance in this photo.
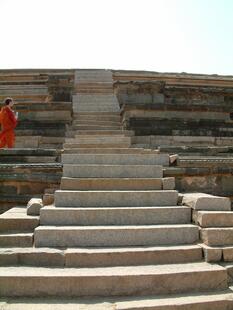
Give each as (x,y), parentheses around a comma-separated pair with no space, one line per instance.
(9,101)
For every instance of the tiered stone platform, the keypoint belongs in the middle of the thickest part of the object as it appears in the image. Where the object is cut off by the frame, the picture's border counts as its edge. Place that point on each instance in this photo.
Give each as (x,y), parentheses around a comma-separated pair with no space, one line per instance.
(116,230)
(43,100)
(189,115)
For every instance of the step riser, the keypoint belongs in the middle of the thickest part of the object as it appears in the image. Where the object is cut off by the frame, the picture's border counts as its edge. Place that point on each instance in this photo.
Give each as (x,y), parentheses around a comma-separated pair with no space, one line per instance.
(125,216)
(96,145)
(19,225)
(16,241)
(132,258)
(219,219)
(106,151)
(94,109)
(95,171)
(89,122)
(90,133)
(97,237)
(118,159)
(96,118)
(111,285)
(98,128)
(217,237)
(112,184)
(90,258)
(100,140)
(115,198)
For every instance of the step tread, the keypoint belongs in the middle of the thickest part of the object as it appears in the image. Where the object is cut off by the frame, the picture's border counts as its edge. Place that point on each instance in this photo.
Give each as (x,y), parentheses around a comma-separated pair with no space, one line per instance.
(109,271)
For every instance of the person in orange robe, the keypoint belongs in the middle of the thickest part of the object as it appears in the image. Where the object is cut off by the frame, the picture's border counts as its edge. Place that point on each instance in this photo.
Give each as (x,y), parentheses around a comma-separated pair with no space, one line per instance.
(8,122)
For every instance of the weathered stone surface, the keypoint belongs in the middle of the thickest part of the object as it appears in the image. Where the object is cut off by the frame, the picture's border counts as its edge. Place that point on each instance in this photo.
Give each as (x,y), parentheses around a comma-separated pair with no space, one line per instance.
(118,281)
(201,201)
(212,254)
(104,236)
(115,216)
(34,206)
(116,198)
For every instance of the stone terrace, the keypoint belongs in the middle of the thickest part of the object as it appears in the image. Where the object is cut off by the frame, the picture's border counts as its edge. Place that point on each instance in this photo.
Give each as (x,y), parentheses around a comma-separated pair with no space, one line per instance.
(43,100)
(189,115)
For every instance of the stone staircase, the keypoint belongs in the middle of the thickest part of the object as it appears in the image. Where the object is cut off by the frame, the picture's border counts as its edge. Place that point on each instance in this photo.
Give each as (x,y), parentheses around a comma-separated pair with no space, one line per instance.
(116,229)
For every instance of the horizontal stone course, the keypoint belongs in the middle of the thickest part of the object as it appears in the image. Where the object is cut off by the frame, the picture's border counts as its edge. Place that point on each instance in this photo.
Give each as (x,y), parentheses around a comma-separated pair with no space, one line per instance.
(115,216)
(117,281)
(116,198)
(98,236)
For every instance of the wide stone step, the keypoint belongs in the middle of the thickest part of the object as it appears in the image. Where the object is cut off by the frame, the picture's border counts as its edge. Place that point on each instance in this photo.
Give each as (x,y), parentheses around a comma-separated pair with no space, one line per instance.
(115,198)
(221,300)
(215,218)
(96,118)
(217,236)
(32,257)
(98,236)
(99,139)
(96,145)
(116,159)
(113,171)
(111,281)
(109,151)
(99,128)
(132,256)
(90,122)
(117,183)
(16,219)
(100,257)
(88,133)
(11,239)
(115,216)
(93,108)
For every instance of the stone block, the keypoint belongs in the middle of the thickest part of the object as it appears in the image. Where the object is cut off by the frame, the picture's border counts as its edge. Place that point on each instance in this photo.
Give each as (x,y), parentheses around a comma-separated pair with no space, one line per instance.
(34,205)
(168,183)
(202,201)
(212,254)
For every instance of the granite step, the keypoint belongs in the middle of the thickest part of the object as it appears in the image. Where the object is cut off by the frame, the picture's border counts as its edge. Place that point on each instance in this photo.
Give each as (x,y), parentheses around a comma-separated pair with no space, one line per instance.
(111,281)
(218,300)
(100,257)
(99,139)
(131,256)
(93,108)
(214,218)
(96,145)
(109,151)
(117,183)
(105,236)
(16,239)
(90,122)
(219,236)
(16,219)
(114,216)
(88,133)
(99,128)
(30,256)
(116,159)
(113,171)
(116,198)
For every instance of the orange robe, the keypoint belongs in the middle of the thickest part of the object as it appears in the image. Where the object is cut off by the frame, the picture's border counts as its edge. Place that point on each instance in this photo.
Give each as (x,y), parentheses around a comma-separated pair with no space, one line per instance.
(8,122)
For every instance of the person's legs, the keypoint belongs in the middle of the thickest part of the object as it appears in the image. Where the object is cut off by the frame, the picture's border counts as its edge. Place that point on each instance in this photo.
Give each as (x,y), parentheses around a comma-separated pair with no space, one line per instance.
(10,139)
(2,140)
